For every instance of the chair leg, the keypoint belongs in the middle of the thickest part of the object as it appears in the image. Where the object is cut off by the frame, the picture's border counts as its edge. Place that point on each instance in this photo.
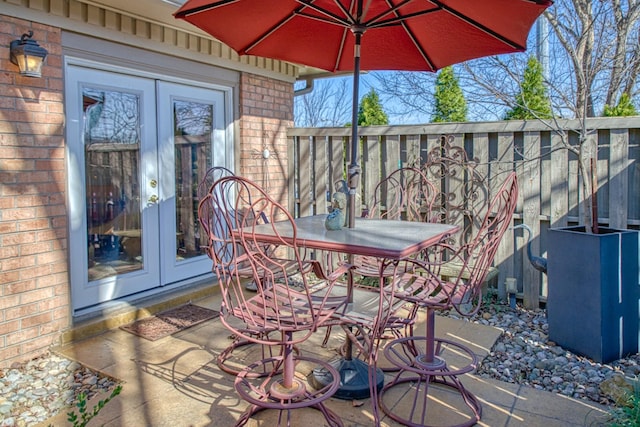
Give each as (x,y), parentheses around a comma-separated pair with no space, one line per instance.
(426,372)
(231,363)
(283,391)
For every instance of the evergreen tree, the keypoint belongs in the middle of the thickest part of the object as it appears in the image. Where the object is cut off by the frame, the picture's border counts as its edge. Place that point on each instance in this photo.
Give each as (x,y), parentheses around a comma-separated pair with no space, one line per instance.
(450,103)
(532,102)
(624,108)
(371,111)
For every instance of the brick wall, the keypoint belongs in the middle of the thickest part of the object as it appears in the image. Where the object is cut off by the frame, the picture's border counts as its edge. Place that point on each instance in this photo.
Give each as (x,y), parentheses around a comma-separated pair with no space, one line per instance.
(34,288)
(266,111)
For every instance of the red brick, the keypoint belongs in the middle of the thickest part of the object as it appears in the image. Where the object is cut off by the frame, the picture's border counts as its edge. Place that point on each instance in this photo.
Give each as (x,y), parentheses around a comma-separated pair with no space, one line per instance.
(17,263)
(38,346)
(62,314)
(33,273)
(8,301)
(17,214)
(35,248)
(36,224)
(18,238)
(22,335)
(46,281)
(8,355)
(20,287)
(20,311)
(52,304)
(51,257)
(9,252)
(62,289)
(37,320)
(53,327)
(36,295)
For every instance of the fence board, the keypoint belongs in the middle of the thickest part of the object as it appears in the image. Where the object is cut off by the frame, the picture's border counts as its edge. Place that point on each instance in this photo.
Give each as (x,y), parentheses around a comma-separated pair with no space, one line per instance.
(412,151)
(559,184)
(390,155)
(505,254)
(304,178)
(618,177)
(530,187)
(321,181)
(478,147)
(371,158)
(292,173)
(338,160)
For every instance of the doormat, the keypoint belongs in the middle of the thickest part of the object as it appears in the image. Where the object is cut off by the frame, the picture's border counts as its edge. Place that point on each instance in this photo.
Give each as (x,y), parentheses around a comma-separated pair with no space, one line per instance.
(169,322)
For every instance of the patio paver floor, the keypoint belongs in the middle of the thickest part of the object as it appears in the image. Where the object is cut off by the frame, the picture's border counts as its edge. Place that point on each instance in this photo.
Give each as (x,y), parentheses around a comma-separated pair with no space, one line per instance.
(176,382)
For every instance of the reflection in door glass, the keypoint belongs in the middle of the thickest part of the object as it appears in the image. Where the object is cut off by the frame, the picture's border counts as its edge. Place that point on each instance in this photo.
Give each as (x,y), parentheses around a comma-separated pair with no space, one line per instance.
(112,148)
(193,123)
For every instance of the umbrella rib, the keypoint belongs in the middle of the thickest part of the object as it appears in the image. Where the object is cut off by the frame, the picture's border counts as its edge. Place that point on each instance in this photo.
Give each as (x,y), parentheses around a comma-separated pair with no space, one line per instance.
(478,25)
(424,54)
(337,20)
(377,22)
(265,35)
(340,50)
(332,17)
(402,20)
(194,10)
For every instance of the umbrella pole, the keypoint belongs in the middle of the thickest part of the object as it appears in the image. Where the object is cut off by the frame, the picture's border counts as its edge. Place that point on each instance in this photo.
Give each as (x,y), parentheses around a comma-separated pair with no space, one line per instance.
(354,169)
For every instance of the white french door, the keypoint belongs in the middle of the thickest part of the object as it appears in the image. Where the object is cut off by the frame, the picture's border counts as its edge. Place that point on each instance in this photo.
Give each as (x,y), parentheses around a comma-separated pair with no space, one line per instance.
(192,138)
(137,148)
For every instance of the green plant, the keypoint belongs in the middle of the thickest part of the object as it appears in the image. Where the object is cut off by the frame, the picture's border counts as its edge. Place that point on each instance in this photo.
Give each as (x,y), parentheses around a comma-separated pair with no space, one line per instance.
(371,111)
(81,418)
(624,108)
(533,101)
(450,105)
(629,414)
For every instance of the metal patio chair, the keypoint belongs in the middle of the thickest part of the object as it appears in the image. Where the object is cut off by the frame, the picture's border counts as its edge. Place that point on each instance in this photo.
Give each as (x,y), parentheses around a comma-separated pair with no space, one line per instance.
(462,189)
(405,194)
(215,233)
(464,194)
(285,310)
(211,175)
(423,359)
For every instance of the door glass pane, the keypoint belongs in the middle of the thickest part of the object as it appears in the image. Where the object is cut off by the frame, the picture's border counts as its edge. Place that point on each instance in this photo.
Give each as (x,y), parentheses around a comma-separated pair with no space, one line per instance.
(112,156)
(193,123)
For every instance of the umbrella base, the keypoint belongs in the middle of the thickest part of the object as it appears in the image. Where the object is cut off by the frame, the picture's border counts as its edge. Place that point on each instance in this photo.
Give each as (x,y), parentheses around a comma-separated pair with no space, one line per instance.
(354,378)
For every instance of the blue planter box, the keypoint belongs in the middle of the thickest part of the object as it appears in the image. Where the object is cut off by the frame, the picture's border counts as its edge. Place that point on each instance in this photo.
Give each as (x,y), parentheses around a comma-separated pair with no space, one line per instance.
(594,291)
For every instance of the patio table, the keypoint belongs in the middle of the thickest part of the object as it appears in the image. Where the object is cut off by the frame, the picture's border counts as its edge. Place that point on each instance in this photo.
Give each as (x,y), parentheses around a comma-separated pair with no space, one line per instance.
(380,238)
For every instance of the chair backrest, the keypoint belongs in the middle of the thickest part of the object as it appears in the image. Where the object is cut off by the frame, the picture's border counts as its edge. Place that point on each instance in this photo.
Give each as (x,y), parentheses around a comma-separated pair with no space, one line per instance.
(283,300)
(212,175)
(477,255)
(463,193)
(404,194)
(209,230)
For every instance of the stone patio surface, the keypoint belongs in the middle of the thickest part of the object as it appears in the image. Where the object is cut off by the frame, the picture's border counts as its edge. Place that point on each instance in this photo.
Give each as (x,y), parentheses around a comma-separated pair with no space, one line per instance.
(176,382)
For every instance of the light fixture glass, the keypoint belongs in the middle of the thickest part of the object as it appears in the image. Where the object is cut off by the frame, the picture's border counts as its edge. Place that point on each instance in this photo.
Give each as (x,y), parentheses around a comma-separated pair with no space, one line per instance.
(28,55)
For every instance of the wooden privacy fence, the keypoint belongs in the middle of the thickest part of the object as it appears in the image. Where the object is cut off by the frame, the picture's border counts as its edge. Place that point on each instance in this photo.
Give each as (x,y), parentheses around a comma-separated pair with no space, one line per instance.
(548,176)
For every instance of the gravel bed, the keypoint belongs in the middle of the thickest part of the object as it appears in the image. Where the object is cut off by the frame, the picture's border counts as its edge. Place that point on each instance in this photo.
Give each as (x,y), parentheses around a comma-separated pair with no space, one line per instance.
(525,355)
(32,392)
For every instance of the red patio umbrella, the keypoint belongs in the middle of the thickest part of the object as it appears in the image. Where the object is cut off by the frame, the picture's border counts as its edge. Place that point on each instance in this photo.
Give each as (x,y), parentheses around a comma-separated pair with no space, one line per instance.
(419,35)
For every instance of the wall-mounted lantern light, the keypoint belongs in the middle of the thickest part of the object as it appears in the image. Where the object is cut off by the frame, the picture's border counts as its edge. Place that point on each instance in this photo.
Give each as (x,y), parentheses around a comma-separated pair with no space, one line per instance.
(28,55)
